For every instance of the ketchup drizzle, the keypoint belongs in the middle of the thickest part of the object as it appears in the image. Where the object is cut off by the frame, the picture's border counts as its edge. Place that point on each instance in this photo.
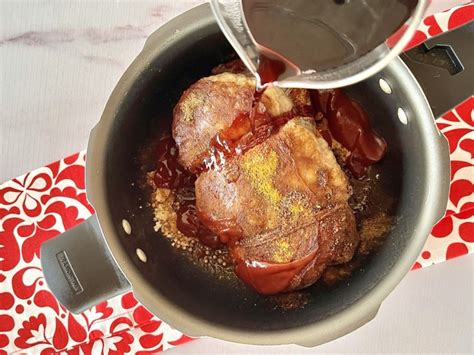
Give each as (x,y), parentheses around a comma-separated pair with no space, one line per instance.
(269,279)
(350,126)
(246,131)
(171,175)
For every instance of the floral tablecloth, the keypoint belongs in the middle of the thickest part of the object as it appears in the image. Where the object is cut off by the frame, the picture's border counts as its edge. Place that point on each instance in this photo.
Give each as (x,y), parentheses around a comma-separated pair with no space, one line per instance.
(43,203)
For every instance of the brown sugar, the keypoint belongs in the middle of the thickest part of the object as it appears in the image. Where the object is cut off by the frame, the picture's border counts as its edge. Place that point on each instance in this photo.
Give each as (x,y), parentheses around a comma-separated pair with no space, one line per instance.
(373,231)
(290,301)
(165,217)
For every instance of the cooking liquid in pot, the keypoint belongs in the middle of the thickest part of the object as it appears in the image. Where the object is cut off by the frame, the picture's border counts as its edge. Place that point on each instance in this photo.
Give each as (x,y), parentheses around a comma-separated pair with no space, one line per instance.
(300,35)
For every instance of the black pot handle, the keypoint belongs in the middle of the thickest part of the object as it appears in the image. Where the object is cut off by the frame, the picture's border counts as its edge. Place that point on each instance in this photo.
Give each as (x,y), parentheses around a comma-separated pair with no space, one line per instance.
(444,67)
(79,268)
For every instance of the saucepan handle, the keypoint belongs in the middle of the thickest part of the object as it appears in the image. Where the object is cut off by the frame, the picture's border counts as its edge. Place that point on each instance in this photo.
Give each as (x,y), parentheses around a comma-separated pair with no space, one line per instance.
(444,67)
(79,268)
(358,321)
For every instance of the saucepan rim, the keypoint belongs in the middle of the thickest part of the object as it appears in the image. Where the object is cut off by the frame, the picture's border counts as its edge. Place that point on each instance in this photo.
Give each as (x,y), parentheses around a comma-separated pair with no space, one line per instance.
(363,310)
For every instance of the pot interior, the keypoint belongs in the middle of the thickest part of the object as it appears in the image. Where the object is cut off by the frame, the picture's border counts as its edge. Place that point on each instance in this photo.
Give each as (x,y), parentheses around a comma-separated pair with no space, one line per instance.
(146,112)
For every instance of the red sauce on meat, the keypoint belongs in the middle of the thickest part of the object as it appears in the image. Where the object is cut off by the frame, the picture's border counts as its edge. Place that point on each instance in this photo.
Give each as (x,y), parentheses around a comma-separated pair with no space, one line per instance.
(246,131)
(350,126)
(229,231)
(268,279)
(171,175)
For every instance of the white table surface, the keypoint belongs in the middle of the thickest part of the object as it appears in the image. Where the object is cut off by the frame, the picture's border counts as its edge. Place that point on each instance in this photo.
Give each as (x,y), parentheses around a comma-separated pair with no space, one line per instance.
(59,61)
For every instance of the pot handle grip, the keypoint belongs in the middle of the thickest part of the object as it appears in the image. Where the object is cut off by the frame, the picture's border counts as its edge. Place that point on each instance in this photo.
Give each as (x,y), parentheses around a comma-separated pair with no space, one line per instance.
(361,319)
(444,68)
(79,268)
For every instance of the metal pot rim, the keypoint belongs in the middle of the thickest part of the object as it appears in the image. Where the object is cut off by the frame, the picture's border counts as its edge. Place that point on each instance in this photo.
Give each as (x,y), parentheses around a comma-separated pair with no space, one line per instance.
(309,335)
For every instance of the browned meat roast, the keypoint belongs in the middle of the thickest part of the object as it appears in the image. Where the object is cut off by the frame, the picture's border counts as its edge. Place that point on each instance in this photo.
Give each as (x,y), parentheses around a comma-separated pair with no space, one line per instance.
(281,206)
(210,105)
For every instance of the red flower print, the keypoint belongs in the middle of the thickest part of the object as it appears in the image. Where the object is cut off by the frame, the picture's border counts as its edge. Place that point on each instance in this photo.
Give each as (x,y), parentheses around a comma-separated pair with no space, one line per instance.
(6,300)
(443,228)
(183,339)
(468,146)
(458,165)
(454,136)
(141,315)
(32,245)
(149,341)
(120,343)
(9,249)
(104,310)
(120,324)
(466,232)
(4,341)
(76,331)
(71,173)
(33,332)
(128,301)
(461,16)
(22,289)
(433,26)
(460,189)
(456,249)
(44,298)
(6,323)
(26,192)
(60,337)
(416,265)
(70,203)
(152,326)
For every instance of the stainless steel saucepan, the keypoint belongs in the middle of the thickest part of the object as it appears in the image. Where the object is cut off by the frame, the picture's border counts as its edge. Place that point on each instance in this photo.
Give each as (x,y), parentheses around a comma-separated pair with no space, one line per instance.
(98,259)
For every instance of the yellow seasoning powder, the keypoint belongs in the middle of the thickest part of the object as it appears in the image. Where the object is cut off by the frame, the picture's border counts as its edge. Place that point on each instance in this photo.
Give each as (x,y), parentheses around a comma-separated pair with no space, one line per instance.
(189,105)
(296,209)
(282,252)
(260,164)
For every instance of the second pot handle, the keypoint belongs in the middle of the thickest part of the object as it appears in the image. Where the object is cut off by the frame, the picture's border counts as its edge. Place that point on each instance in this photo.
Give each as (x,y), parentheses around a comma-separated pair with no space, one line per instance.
(79,268)
(444,67)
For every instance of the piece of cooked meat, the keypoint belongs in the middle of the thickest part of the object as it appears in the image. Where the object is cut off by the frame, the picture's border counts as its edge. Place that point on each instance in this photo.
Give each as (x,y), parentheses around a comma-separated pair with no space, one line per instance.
(281,206)
(211,105)
(285,201)
(208,106)
(301,100)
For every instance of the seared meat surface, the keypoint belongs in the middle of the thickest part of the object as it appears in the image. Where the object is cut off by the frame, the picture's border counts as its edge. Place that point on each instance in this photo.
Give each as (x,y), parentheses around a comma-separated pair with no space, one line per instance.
(282,206)
(210,105)
(207,107)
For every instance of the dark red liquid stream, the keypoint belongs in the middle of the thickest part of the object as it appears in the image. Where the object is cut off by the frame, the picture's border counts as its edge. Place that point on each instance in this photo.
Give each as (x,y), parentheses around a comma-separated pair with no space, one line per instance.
(269,69)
